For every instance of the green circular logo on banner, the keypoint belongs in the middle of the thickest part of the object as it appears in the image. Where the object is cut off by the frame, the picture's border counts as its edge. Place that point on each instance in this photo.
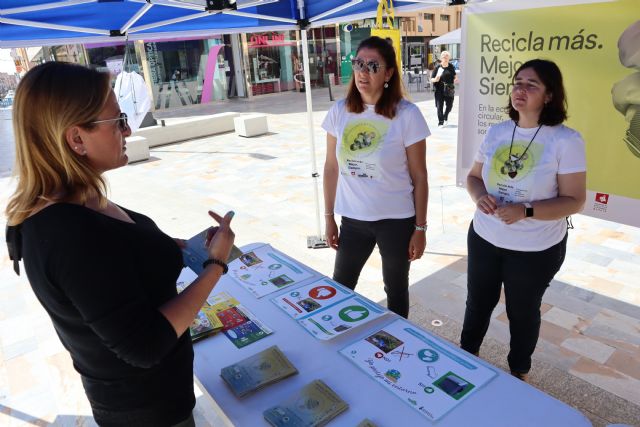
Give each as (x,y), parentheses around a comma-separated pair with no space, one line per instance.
(353,313)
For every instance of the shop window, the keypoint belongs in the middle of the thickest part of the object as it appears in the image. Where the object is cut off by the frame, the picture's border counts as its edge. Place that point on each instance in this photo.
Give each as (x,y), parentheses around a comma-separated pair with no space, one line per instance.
(274,60)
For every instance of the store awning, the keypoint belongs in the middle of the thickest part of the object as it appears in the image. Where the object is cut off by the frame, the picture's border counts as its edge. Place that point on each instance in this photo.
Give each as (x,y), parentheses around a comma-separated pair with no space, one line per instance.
(452,37)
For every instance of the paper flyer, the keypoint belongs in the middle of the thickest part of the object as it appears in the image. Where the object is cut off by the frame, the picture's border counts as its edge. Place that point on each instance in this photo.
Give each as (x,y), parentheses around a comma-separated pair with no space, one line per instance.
(238,323)
(264,270)
(303,301)
(186,277)
(341,317)
(426,373)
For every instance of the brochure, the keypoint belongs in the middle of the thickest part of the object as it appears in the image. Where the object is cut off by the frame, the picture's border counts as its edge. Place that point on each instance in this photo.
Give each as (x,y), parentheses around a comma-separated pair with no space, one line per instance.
(315,405)
(336,319)
(238,323)
(429,375)
(205,323)
(264,270)
(258,371)
(195,252)
(301,302)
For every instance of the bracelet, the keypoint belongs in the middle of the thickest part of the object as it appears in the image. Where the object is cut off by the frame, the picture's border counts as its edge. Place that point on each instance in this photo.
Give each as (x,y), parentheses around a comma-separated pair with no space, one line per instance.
(422,227)
(328,214)
(222,264)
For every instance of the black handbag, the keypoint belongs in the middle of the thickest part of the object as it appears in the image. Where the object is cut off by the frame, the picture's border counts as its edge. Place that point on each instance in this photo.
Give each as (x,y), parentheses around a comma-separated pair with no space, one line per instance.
(449,90)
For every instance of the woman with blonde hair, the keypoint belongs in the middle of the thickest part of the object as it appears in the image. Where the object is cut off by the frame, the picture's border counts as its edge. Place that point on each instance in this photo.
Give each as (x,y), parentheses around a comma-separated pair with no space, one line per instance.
(105,275)
(375,174)
(443,78)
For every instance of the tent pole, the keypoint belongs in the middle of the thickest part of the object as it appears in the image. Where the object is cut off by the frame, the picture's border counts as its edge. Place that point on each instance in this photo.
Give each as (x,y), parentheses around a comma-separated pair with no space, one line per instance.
(312,241)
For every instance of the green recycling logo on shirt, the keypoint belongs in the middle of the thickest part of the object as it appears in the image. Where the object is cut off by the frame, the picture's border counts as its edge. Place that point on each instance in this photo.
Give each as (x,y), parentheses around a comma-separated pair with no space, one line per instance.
(507,171)
(359,154)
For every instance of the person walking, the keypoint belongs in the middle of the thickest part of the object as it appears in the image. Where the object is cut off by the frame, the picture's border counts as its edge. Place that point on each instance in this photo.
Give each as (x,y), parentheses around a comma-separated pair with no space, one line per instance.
(443,78)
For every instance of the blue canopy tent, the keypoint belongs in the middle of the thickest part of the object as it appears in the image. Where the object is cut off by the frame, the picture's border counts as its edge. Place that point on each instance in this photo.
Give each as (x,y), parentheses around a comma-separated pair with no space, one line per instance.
(26,23)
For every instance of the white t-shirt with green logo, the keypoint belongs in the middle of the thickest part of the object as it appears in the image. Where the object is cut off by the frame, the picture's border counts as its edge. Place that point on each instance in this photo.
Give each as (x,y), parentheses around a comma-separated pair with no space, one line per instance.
(374,181)
(556,150)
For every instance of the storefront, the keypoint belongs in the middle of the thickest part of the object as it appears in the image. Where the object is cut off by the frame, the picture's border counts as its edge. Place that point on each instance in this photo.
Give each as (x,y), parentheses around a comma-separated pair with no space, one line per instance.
(273,62)
(178,72)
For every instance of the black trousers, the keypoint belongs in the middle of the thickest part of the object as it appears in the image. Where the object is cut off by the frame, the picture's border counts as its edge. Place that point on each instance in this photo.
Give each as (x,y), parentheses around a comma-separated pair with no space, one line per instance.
(357,240)
(526,276)
(441,102)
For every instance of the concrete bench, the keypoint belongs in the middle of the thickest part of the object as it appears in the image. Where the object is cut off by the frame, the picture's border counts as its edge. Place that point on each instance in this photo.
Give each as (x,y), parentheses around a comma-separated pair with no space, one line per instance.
(182,129)
(137,149)
(251,124)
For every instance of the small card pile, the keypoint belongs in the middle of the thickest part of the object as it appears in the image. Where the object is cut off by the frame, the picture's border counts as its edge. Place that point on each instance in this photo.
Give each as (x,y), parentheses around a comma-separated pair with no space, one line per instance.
(315,405)
(257,371)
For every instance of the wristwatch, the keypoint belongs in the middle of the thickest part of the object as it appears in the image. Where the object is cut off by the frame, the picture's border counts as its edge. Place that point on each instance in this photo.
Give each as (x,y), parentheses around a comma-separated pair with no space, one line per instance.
(528,210)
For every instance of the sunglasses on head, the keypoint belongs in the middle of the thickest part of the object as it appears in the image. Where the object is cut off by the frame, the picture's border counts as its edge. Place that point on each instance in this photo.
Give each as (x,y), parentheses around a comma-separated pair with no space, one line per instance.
(122,119)
(359,65)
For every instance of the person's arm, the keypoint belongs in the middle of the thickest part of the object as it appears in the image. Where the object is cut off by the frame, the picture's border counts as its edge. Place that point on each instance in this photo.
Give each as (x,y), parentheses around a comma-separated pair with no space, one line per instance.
(182,309)
(478,191)
(416,159)
(572,194)
(329,185)
(434,75)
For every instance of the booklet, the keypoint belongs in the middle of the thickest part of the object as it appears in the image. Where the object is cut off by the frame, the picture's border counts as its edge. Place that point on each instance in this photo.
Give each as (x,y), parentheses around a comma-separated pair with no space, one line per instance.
(431,376)
(315,405)
(257,371)
(206,322)
(301,302)
(265,270)
(195,252)
(238,323)
(336,319)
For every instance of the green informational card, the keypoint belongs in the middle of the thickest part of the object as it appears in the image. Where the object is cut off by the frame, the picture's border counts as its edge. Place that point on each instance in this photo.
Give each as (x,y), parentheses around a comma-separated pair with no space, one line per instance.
(258,371)
(315,405)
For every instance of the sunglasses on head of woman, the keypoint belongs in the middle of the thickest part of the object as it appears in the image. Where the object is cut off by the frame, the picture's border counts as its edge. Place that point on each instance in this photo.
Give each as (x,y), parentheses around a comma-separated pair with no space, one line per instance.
(122,119)
(372,66)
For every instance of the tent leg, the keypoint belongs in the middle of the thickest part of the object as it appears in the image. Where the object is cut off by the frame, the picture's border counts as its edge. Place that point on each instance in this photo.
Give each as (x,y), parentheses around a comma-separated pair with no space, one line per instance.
(318,241)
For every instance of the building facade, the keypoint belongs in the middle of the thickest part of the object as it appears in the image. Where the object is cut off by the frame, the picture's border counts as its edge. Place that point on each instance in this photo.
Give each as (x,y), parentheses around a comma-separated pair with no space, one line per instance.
(180,72)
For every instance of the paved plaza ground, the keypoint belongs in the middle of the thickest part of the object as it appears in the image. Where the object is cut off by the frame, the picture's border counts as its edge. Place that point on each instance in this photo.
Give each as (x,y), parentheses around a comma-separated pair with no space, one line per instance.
(589,351)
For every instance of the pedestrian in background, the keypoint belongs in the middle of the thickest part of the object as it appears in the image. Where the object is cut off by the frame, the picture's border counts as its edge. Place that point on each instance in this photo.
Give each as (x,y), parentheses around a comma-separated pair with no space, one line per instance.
(443,78)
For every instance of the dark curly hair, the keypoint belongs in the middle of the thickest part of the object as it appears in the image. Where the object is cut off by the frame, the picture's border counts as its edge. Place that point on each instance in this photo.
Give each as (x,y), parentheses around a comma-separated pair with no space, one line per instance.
(554,111)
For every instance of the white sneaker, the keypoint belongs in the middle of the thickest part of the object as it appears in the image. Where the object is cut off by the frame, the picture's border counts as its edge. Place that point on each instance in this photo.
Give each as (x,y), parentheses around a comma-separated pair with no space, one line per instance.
(445,123)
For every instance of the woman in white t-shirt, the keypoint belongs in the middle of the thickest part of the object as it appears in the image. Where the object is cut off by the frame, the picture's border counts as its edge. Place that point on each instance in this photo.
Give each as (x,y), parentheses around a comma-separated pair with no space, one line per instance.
(528,176)
(375,174)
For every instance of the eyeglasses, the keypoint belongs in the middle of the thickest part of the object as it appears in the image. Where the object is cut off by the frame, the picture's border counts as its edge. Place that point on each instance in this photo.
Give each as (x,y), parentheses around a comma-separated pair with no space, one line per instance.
(359,65)
(123,121)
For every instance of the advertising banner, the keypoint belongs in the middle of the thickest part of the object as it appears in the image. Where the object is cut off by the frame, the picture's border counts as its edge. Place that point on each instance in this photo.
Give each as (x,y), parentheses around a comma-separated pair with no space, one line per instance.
(596,44)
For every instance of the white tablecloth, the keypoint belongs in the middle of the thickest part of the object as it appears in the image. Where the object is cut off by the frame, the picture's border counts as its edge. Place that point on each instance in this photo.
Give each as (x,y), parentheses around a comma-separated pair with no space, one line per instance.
(505,401)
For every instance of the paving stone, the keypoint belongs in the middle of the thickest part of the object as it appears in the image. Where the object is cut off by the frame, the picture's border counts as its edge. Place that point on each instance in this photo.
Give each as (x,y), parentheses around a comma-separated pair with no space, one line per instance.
(625,362)
(562,318)
(587,347)
(608,379)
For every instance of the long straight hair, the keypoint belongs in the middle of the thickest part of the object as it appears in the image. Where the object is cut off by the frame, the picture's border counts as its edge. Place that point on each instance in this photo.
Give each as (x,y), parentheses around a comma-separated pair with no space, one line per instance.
(391,96)
(50,99)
